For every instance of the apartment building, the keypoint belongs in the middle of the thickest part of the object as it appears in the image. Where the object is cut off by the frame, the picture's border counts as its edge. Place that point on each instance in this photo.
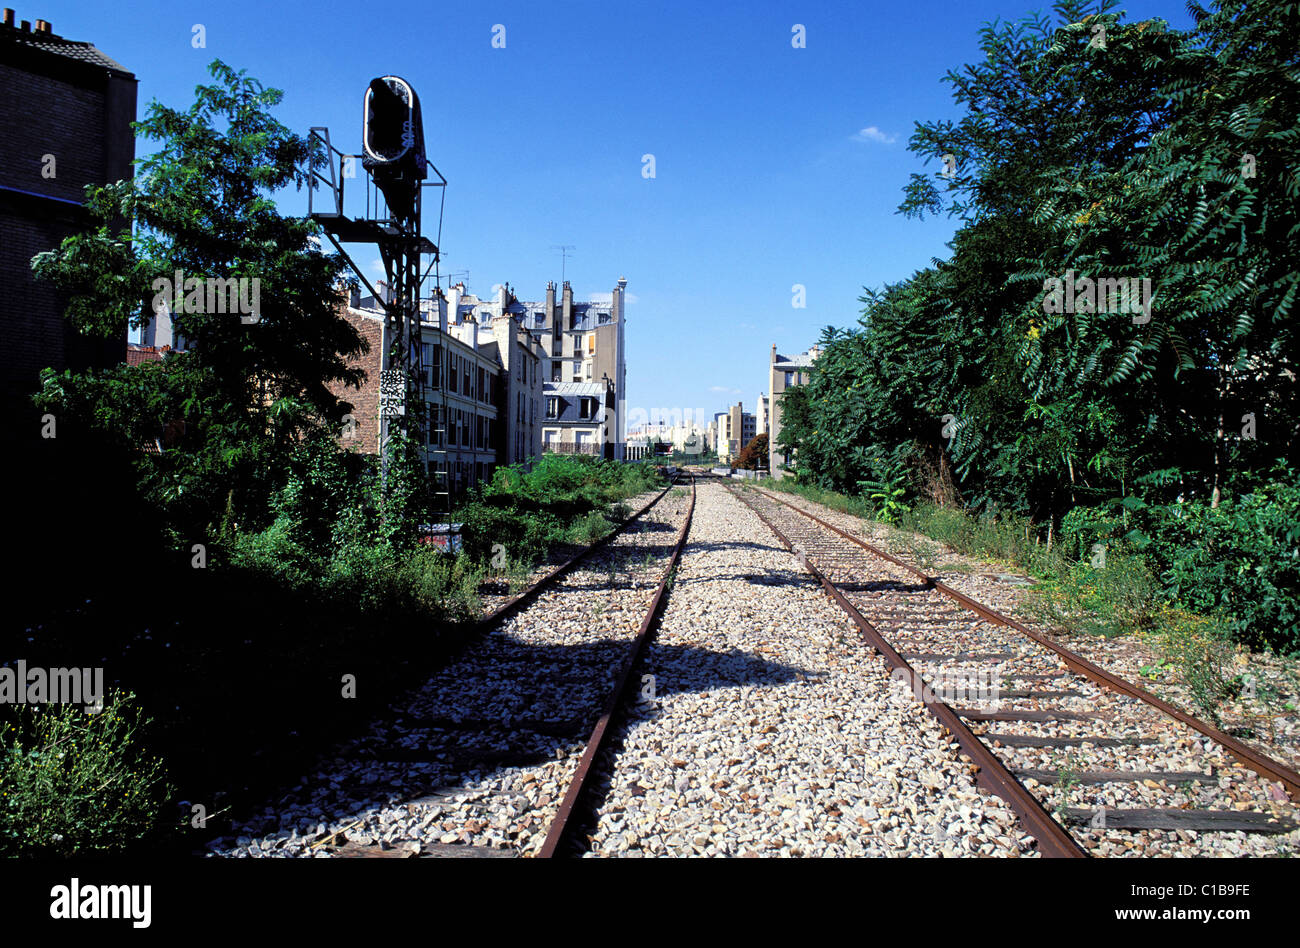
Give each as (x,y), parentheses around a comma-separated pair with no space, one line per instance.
(482,387)
(584,370)
(784,372)
(496,324)
(66,112)
(687,437)
(761,415)
(736,428)
(580,345)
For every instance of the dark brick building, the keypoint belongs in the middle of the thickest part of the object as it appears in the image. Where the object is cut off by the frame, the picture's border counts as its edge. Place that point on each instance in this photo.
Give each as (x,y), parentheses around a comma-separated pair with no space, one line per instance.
(66,114)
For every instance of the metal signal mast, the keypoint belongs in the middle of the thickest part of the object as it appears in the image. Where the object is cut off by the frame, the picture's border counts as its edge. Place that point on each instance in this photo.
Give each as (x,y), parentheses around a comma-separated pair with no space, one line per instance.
(395,174)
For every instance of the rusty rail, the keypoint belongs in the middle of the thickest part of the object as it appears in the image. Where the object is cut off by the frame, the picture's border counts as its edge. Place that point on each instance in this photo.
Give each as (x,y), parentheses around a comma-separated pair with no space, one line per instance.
(515,603)
(1262,764)
(992,775)
(559,828)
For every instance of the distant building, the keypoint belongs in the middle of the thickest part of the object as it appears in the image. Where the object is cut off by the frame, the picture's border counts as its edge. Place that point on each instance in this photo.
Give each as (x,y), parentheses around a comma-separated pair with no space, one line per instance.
(66,113)
(498,324)
(736,429)
(784,372)
(487,376)
(760,415)
(585,373)
(688,437)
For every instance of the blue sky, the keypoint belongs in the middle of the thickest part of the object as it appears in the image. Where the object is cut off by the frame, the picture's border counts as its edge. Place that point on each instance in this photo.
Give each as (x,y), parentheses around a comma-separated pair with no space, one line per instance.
(764,177)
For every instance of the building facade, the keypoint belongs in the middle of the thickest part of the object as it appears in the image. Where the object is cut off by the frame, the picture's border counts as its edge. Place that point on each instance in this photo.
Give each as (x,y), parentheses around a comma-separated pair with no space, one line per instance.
(736,428)
(66,112)
(580,347)
(584,370)
(482,389)
(784,373)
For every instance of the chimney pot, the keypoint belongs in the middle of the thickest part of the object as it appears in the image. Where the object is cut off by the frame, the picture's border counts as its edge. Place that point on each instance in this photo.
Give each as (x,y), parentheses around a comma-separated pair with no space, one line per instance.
(25,26)
(42,26)
(9,16)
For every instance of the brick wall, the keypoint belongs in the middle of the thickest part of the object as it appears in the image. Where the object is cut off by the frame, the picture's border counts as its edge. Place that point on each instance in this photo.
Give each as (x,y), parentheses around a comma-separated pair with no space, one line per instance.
(80,115)
(365,402)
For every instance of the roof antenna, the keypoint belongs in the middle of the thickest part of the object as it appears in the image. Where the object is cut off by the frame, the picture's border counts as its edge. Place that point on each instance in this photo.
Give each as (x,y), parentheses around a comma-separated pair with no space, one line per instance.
(565,253)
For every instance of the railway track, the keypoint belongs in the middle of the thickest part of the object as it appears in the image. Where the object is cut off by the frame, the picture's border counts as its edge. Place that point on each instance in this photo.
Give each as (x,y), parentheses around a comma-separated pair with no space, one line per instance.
(496,748)
(1087,760)
(559,831)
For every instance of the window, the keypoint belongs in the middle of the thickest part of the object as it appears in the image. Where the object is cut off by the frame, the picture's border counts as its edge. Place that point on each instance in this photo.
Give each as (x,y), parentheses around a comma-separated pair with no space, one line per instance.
(577,371)
(555,372)
(434,410)
(435,367)
(552,407)
(586,406)
(591,343)
(789,379)
(426,359)
(466,376)
(452,363)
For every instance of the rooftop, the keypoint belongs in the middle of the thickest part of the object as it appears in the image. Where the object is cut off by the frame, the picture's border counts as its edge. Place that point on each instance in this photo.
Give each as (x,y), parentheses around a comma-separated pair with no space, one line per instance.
(45,40)
(596,389)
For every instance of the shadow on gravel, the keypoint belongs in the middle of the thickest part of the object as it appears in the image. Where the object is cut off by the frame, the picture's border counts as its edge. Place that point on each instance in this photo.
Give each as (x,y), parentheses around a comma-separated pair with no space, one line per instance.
(881,585)
(500,704)
(695,546)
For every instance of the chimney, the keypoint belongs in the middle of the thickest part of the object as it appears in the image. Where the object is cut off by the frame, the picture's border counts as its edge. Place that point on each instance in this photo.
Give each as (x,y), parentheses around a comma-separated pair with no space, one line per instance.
(550,312)
(354,297)
(25,26)
(453,303)
(9,16)
(440,301)
(42,26)
(567,302)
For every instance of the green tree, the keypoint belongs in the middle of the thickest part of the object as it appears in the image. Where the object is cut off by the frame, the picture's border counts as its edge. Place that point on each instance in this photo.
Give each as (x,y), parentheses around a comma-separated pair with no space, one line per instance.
(242,392)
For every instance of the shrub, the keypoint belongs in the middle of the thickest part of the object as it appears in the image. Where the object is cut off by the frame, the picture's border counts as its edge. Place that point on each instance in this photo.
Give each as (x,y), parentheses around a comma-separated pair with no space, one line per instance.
(589,529)
(437,583)
(1240,562)
(1119,598)
(276,553)
(1200,652)
(524,535)
(77,783)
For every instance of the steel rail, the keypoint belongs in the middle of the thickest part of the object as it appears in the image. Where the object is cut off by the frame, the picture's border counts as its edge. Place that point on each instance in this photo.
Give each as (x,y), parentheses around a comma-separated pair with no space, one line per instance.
(559,828)
(1262,764)
(1054,840)
(514,604)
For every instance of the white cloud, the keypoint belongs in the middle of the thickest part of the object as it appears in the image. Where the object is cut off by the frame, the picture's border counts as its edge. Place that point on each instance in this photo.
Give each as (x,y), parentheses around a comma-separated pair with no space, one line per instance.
(377,266)
(723,388)
(873,134)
